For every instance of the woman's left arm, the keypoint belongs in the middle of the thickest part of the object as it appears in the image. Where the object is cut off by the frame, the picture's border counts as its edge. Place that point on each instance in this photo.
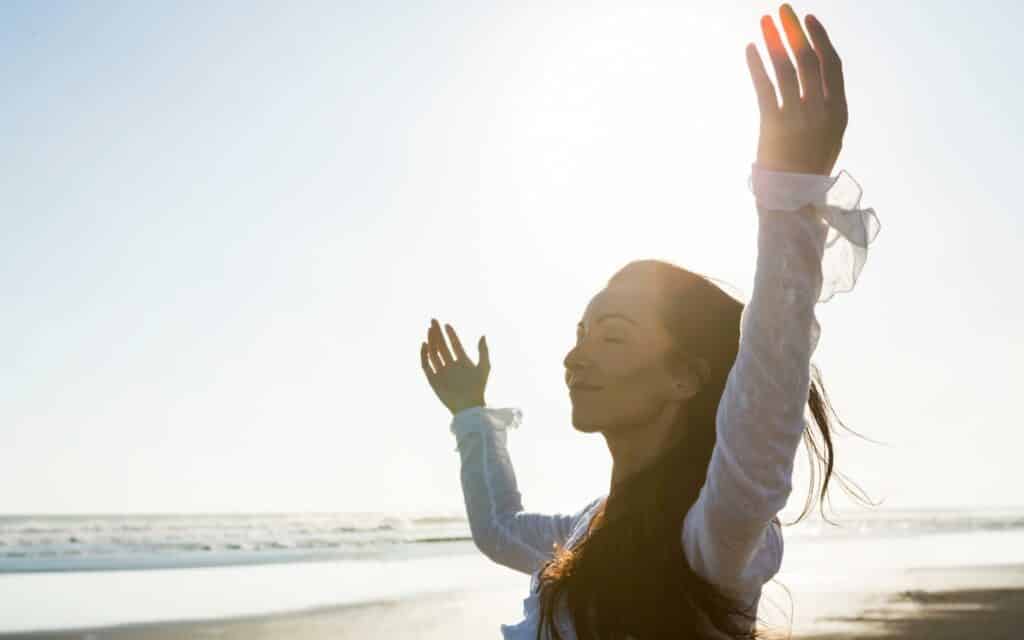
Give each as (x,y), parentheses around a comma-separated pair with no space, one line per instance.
(812,242)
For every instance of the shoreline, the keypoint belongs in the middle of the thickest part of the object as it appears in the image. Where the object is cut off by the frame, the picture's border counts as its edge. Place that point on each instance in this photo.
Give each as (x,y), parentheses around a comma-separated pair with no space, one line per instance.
(933,603)
(398,617)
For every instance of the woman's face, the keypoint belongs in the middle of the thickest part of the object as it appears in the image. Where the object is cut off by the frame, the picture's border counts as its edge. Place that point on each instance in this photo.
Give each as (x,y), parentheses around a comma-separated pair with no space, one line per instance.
(621,349)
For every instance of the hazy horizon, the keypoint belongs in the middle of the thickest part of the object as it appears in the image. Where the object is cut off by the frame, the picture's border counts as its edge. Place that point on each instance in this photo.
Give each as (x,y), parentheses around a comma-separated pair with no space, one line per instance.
(227,229)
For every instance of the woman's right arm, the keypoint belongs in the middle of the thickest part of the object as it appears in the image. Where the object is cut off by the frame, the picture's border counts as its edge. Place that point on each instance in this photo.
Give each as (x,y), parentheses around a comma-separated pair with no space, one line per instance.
(501,528)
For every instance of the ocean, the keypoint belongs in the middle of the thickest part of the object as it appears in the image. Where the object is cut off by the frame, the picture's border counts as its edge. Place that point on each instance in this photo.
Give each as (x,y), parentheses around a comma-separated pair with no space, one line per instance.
(121,542)
(59,572)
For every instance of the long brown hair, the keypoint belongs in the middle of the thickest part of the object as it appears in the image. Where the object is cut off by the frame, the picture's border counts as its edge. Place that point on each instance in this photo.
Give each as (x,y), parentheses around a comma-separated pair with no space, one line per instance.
(628,577)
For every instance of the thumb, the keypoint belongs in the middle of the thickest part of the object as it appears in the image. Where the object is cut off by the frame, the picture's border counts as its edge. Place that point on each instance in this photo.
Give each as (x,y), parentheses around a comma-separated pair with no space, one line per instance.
(485,354)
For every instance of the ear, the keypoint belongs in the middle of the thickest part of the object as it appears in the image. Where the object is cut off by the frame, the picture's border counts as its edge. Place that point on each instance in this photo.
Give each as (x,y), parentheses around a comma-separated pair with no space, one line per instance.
(694,377)
(702,370)
(686,389)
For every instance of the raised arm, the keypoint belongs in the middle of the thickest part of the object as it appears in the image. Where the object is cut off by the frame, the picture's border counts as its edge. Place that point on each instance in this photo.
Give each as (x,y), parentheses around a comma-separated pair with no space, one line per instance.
(812,241)
(501,528)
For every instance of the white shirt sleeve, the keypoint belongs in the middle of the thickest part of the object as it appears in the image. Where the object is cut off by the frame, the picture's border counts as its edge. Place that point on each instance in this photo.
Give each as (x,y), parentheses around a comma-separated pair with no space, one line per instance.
(812,242)
(501,529)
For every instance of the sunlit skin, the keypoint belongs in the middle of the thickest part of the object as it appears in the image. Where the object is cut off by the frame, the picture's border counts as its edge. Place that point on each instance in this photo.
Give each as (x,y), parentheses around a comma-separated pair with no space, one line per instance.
(639,395)
(622,348)
(805,133)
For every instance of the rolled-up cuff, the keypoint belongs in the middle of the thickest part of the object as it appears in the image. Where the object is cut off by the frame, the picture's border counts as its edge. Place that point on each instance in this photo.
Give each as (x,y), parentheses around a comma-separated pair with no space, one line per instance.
(475,418)
(836,200)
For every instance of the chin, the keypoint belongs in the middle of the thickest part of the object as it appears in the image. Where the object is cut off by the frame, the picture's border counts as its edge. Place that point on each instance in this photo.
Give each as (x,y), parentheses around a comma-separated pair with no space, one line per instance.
(584,425)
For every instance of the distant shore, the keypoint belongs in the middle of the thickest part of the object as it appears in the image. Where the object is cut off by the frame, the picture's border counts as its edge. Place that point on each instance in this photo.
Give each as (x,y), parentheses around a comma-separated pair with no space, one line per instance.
(932,604)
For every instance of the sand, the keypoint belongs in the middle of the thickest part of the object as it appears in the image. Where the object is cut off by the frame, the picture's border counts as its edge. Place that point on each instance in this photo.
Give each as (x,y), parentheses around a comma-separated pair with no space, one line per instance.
(932,604)
(939,604)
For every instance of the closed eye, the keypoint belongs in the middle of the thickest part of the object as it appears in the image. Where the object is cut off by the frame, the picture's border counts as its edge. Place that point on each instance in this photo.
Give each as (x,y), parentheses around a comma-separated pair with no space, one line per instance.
(579,338)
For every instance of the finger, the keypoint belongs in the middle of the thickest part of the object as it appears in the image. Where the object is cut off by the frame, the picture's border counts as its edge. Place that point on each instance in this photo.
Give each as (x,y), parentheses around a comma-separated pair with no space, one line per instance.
(784,71)
(440,345)
(806,59)
(485,355)
(425,361)
(767,100)
(460,353)
(831,65)
(435,358)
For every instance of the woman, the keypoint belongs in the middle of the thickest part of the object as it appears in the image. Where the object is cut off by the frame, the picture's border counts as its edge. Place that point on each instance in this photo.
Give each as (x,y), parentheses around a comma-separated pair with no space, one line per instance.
(701,399)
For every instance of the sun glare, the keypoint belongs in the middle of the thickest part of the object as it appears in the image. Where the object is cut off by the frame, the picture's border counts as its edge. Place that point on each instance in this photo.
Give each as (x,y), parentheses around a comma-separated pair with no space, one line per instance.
(621,135)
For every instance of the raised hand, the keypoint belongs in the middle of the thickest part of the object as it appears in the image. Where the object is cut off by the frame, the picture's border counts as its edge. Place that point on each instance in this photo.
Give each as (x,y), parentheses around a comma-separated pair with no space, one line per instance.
(805,134)
(456,380)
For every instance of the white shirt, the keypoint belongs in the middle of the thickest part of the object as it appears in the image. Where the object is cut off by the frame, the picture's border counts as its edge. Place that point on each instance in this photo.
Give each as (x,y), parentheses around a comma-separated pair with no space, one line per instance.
(731,535)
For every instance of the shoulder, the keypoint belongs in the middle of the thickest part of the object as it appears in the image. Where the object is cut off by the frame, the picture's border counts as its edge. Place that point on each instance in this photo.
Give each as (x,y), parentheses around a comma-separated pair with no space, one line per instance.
(584,516)
(591,509)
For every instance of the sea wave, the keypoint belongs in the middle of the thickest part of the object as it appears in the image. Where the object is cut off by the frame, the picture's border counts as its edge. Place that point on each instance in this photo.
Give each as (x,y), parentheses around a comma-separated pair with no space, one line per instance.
(97,542)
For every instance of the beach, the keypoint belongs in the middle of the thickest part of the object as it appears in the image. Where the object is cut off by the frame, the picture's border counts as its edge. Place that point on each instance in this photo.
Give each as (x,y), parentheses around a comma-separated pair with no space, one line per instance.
(929,575)
(934,603)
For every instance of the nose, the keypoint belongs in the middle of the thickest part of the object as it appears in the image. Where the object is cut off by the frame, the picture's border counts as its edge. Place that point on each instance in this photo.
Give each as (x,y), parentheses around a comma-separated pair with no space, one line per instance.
(570,358)
(573,363)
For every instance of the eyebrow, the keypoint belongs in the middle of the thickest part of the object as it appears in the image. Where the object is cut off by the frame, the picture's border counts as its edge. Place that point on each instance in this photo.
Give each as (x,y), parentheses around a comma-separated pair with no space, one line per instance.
(607,316)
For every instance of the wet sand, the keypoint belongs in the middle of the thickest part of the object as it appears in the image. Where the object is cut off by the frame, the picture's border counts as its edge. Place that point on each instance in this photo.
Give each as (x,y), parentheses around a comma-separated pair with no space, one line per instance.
(936,604)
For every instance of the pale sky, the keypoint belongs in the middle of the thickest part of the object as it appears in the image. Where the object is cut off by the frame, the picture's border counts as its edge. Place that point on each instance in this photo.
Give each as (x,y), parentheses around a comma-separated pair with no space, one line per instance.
(225,231)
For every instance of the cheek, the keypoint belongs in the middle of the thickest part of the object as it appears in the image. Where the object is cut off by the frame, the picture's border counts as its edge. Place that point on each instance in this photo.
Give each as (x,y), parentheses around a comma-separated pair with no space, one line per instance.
(637,387)
(631,396)
(628,371)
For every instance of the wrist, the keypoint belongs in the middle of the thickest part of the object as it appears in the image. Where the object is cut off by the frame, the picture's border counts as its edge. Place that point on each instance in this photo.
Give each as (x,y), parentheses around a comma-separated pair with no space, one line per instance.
(462,406)
(788,191)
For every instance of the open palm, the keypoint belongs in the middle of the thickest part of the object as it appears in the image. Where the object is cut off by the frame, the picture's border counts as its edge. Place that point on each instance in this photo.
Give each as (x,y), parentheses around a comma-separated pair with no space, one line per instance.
(458,383)
(805,134)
